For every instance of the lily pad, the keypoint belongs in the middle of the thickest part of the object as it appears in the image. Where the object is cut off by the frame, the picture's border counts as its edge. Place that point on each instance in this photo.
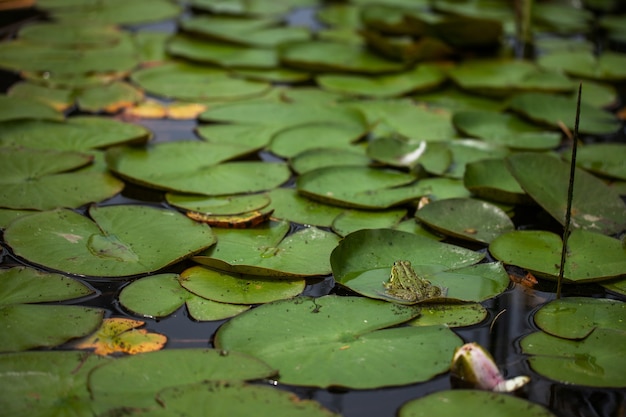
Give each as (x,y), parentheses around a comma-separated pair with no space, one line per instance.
(114,12)
(117,335)
(47,383)
(352,220)
(595,207)
(196,83)
(434,157)
(78,133)
(421,78)
(294,140)
(268,251)
(109,98)
(590,256)
(490,179)
(255,136)
(71,34)
(340,341)
(289,205)
(325,157)
(242,289)
(194,167)
(593,361)
(226,205)
(134,381)
(551,109)
(606,159)
(25,325)
(451,315)
(471,403)
(608,66)
(578,317)
(18,108)
(335,56)
(119,241)
(161,295)
(58,98)
(47,179)
(466,218)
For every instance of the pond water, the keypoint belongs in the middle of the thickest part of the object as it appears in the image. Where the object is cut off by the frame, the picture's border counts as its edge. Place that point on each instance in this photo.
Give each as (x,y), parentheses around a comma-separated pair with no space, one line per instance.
(509,319)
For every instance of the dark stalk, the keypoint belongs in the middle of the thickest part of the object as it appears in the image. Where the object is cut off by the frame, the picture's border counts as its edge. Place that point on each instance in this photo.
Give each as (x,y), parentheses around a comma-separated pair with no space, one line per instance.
(570,195)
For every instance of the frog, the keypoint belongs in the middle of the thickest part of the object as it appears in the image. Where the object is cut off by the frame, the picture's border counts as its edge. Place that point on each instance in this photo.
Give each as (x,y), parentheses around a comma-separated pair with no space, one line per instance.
(405,285)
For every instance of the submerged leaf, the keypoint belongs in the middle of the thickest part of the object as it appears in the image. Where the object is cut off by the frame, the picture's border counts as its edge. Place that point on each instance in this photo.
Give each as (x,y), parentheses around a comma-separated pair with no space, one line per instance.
(121,335)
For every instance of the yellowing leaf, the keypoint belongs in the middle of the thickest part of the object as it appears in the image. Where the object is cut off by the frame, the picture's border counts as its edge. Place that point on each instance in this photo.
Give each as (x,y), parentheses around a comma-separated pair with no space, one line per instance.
(122,335)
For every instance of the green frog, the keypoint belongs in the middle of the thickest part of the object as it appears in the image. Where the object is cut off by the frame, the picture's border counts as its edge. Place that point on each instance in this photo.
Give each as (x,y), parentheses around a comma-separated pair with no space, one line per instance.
(405,285)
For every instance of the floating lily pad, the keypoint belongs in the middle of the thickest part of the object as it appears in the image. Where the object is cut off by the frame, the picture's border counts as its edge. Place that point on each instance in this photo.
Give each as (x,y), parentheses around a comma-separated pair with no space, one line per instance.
(340,341)
(227,205)
(47,179)
(192,82)
(117,335)
(359,187)
(119,241)
(18,108)
(501,77)
(242,289)
(71,34)
(590,256)
(466,218)
(222,54)
(434,157)
(255,136)
(608,66)
(134,381)
(194,167)
(490,179)
(57,98)
(607,159)
(593,361)
(27,325)
(454,99)
(47,383)
(109,98)
(77,133)
(504,129)
(324,157)
(552,109)
(260,32)
(471,403)
(291,141)
(114,12)
(578,317)
(352,220)
(335,56)
(161,295)
(268,251)
(420,78)
(452,315)
(466,151)
(250,7)
(237,398)
(595,206)
(290,205)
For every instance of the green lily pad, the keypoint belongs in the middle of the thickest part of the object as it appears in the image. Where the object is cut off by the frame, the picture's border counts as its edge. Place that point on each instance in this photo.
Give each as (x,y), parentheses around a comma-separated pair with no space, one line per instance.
(109,98)
(134,381)
(260,32)
(353,255)
(243,289)
(590,256)
(268,251)
(335,56)
(608,66)
(551,109)
(161,295)
(504,129)
(595,206)
(606,159)
(454,99)
(501,77)
(291,206)
(57,98)
(119,241)
(71,34)
(471,403)
(294,140)
(465,151)
(466,218)
(451,315)
(324,157)
(593,361)
(254,136)
(340,341)
(250,7)
(113,12)
(227,205)
(578,317)
(8,215)
(47,179)
(26,326)
(196,83)
(490,179)
(421,78)
(222,54)
(47,383)
(18,108)
(78,133)
(194,167)
(352,220)
(434,157)
(359,187)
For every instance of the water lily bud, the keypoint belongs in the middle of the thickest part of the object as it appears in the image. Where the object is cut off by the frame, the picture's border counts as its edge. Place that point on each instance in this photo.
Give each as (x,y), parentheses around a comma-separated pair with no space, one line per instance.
(472,366)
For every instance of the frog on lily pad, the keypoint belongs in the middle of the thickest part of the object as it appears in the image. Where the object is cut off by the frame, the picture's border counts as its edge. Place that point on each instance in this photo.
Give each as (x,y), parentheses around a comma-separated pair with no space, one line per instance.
(405,286)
